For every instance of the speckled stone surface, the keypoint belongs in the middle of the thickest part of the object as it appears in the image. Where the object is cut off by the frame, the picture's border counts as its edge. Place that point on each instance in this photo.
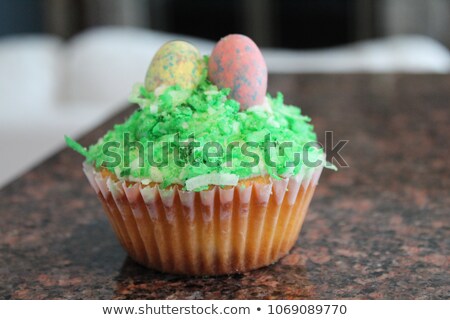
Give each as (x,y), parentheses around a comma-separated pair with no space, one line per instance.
(379,229)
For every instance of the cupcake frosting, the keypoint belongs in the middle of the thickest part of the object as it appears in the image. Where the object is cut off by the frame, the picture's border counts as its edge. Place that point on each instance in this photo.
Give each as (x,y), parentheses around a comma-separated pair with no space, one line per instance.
(189,132)
(177,135)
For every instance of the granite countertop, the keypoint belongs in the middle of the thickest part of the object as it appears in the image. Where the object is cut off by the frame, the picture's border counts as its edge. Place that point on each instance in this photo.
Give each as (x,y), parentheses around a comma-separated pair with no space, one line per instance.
(379,229)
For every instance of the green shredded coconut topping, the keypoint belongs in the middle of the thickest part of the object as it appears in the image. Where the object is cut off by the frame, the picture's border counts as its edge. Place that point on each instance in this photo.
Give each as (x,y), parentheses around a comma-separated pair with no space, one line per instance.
(165,139)
(76,146)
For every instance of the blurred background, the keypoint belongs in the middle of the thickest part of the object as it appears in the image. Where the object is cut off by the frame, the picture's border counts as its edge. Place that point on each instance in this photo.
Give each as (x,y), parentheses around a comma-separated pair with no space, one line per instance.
(67,65)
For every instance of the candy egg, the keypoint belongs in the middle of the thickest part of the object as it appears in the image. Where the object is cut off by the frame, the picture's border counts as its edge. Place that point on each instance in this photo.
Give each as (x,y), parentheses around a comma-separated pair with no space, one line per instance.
(237,63)
(175,63)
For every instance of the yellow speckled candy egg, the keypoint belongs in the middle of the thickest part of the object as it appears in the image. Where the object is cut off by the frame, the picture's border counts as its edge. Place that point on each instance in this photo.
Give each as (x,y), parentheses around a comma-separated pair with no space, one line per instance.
(175,63)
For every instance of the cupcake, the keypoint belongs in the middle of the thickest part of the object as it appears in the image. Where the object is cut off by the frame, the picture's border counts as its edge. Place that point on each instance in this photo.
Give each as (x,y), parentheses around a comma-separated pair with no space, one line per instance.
(210,175)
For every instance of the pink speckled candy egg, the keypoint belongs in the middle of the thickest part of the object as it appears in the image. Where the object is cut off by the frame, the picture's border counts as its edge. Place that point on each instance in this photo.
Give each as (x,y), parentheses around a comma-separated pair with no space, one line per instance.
(237,63)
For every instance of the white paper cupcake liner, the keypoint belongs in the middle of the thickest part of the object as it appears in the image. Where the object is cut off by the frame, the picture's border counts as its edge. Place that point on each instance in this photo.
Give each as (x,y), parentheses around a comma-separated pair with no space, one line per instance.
(216,231)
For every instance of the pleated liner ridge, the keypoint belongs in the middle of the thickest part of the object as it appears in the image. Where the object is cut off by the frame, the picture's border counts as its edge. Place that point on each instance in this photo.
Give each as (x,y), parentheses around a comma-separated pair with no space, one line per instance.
(217,231)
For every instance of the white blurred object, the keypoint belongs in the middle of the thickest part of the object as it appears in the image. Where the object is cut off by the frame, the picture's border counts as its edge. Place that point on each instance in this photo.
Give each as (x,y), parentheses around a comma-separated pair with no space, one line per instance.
(29,71)
(49,88)
(103,64)
(409,54)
